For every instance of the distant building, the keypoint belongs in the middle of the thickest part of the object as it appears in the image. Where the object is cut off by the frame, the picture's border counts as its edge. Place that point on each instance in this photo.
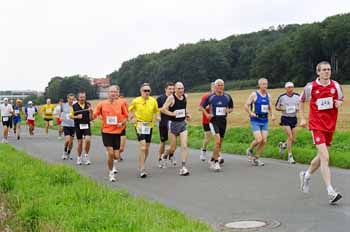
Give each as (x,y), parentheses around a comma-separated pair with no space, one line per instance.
(18,94)
(102,85)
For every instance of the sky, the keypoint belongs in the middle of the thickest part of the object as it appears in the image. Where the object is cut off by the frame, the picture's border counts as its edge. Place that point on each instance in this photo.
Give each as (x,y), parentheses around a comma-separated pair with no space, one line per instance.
(41,39)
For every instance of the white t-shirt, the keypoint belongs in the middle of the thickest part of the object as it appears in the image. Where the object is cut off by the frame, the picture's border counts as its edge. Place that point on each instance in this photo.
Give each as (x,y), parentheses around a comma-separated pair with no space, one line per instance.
(6,110)
(30,113)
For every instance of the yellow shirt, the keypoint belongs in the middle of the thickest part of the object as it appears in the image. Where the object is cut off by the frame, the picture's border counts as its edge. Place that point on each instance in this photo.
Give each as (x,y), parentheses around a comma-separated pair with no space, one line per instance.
(144,109)
(48,110)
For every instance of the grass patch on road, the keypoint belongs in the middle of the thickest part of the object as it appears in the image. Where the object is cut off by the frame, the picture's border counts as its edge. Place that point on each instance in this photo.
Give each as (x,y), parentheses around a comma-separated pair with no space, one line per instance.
(45,197)
(237,141)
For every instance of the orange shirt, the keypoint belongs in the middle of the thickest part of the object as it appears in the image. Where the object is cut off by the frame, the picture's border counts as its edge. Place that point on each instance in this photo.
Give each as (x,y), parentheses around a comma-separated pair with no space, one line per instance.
(112,113)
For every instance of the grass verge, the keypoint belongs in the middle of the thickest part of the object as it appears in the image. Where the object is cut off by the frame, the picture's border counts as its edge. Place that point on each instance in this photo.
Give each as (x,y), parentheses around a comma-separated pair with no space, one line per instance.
(45,197)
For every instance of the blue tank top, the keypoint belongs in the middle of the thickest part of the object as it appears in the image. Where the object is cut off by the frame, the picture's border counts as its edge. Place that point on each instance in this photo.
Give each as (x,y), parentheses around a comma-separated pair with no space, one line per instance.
(261,108)
(17,109)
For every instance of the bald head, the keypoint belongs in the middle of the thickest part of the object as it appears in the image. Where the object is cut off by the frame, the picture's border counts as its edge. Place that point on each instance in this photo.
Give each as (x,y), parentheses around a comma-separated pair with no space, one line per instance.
(179,88)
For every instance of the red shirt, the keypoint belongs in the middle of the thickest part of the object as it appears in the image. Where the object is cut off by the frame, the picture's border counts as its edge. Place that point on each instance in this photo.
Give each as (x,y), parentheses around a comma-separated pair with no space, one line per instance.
(322,113)
(205,120)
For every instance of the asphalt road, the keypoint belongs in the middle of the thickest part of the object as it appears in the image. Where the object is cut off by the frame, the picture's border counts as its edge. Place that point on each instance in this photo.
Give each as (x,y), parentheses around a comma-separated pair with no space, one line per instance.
(239,192)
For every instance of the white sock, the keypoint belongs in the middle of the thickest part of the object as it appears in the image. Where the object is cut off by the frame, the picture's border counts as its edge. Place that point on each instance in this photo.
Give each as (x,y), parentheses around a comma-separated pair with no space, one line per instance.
(290,155)
(86,155)
(111,173)
(330,189)
(307,174)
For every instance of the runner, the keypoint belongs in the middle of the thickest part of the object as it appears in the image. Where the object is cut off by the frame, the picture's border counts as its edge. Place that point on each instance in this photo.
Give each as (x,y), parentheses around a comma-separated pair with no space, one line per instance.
(325,96)
(57,113)
(143,111)
(114,117)
(123,134)
(47,114)
(17,118)
(220,104)
(258,106)
(6,111)
(175,106)
(30,111)
(164,126)
(205,123)
(67,123)
(288,103)
(82,115)
(11,120)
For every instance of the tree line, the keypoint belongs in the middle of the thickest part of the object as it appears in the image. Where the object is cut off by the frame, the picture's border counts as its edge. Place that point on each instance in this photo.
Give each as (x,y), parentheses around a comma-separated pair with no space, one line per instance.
(284,53)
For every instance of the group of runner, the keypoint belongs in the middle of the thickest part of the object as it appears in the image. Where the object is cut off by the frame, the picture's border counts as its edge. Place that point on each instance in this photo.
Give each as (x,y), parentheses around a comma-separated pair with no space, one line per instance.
(170,111)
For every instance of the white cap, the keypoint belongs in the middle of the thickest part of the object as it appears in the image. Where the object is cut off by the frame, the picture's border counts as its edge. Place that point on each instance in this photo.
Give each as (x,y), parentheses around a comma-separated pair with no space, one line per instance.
(6,99)
(289,84)
(30,102)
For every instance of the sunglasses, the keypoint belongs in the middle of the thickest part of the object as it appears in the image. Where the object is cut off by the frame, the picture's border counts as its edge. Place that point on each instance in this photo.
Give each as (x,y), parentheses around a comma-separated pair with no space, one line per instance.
(146,90)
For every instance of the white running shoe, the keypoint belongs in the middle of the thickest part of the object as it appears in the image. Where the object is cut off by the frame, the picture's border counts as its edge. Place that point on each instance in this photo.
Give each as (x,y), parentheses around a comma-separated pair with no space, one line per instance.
(87,160)
(114,170)
(184,171)
(282,147)
(304,183)
(143,173)
(112,177)
(64,156)
(203,155)
(216,167)
(291,160)
(79,160)
(211,165)
(334,197)
(257,162)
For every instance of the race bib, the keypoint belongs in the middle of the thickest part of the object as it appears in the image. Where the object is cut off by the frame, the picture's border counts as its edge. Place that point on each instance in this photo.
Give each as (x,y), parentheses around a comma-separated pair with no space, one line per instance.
(143,128)
(220,111)
(112,120)
(16,111)
(84,126)
(180,113)
(325,103)
(290,109)
(5,119)
(48,111)
(264,108)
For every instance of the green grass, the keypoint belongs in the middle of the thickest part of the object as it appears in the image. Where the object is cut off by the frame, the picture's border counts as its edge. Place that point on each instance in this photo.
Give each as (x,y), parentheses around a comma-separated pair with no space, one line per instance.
(237,141)
(44,197)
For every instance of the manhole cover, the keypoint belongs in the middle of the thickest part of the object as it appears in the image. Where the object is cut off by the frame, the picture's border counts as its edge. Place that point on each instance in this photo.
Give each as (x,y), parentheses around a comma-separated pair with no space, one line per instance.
(245,224)
(250,225)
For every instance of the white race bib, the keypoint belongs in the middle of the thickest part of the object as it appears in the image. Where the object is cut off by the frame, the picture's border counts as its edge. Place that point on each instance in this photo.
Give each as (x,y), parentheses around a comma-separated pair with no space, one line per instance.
(264,108)
(84,126)
(143,128)
(325,103)
(290,109)
(180,113)
(48,111)
(112,120)
(5,119)
(220,111)
(16,111)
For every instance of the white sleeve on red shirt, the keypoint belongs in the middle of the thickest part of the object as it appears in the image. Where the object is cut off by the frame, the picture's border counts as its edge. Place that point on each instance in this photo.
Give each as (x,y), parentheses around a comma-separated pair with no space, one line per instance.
(306,94)
(339,90)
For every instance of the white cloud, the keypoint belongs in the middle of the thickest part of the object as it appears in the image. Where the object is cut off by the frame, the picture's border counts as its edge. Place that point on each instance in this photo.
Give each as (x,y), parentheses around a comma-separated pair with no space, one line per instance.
(43,38)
